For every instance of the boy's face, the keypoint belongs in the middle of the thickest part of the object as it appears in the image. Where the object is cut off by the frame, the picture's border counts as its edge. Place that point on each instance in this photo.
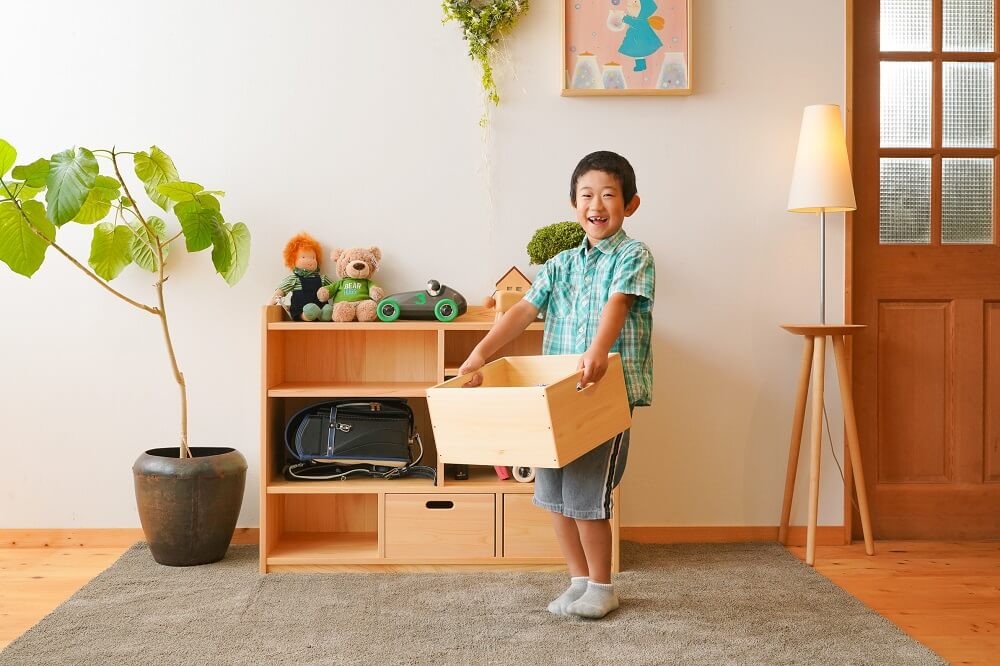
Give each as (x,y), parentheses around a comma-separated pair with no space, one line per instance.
(600,205)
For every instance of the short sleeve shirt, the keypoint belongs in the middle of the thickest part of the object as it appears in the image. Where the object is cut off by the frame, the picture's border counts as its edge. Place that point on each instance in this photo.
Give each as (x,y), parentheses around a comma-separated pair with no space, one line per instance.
(574,286)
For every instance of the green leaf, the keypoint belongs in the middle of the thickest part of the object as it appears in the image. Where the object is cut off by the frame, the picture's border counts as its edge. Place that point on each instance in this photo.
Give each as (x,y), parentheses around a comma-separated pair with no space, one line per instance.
(98,202)
(71,175)
(110,251)
(7,157)
(239,236)
(142,246)
(152,169)
(20,247)
(179,190)
(199,223)
(33,174)
(222,250)
(126,202)
(206,199)
(19,190)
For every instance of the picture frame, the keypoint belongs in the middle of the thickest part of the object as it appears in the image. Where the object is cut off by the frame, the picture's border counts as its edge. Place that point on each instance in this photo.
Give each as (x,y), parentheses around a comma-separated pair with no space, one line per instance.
(626,47)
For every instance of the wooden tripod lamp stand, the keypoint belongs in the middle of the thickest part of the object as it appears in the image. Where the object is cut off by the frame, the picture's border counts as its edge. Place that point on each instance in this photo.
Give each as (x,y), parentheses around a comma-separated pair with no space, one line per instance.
(821,183)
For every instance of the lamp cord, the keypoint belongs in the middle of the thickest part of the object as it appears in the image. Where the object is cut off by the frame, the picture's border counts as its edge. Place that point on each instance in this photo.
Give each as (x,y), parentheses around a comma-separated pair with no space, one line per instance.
(833,451)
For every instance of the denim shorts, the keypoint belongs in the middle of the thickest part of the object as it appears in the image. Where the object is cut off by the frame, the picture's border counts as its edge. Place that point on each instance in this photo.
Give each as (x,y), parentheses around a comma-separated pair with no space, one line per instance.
(582,489)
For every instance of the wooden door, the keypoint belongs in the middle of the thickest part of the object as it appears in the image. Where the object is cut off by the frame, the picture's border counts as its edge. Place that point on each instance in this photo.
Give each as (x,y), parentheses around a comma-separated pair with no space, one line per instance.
(926,265)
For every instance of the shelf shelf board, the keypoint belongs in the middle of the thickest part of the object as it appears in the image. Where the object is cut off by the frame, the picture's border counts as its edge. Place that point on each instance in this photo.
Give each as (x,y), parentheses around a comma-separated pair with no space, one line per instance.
(324,547)
(357,485)
(349,389)
(476,318)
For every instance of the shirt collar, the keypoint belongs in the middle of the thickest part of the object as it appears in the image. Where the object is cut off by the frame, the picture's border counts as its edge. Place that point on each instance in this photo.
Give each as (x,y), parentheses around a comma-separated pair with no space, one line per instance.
(301,272)
(608,245)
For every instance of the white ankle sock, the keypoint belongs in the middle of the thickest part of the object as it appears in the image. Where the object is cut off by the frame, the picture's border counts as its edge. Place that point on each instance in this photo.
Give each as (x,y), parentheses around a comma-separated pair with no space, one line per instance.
(577,586)
(599,600)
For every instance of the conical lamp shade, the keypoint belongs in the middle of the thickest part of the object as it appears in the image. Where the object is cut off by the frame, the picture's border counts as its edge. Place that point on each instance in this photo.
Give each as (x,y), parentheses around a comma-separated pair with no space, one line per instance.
(822,177)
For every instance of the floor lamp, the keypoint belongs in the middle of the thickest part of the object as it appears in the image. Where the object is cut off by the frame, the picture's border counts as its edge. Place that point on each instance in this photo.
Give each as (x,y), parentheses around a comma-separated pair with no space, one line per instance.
(821,183)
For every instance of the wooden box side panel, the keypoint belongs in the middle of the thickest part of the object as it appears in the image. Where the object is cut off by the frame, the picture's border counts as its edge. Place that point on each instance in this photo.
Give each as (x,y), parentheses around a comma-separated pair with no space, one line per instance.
(542,370)
(495,374)
(492,426)
(582,420)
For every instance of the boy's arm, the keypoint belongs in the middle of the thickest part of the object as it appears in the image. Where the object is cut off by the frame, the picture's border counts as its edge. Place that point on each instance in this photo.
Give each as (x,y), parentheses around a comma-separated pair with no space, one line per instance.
(510,325)
(594,361)
(633,285)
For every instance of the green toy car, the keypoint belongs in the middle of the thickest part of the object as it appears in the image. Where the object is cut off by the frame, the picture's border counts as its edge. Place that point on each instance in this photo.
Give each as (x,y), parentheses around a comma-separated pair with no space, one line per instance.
(438,301)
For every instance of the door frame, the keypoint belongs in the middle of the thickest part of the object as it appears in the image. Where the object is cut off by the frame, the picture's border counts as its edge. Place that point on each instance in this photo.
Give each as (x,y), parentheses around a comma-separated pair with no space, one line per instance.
(849,258)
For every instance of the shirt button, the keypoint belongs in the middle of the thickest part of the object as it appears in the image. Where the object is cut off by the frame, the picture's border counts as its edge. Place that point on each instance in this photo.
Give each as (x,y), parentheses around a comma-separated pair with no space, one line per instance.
(580,330)
(587,279)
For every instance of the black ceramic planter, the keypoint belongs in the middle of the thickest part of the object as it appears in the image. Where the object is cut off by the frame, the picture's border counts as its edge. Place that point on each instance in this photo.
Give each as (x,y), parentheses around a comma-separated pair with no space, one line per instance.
(189,506)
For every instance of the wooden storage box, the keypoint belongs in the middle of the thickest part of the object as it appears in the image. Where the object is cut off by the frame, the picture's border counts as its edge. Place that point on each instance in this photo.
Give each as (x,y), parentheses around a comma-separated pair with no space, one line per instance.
(528,412)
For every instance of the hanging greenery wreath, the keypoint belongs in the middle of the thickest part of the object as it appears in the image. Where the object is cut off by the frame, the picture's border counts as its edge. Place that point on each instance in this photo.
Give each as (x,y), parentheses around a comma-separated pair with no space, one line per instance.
(484,22)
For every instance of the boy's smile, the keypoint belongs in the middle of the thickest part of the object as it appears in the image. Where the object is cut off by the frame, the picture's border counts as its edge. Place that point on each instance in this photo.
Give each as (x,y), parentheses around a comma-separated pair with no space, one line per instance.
(600,206)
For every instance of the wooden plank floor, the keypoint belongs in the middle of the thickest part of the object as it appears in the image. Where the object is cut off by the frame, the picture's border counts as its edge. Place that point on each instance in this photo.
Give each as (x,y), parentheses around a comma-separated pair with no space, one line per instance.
(944,594)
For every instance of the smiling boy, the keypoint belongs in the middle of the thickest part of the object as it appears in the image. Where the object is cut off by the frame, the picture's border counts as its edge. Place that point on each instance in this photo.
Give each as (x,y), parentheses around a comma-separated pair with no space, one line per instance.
(598,298)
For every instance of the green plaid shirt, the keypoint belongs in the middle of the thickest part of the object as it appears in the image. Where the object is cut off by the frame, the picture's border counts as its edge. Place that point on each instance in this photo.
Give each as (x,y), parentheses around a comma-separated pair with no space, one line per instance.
(574,286)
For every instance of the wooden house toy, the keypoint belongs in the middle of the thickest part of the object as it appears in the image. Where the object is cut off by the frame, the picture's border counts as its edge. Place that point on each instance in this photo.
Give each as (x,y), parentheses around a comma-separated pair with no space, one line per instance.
(510,289)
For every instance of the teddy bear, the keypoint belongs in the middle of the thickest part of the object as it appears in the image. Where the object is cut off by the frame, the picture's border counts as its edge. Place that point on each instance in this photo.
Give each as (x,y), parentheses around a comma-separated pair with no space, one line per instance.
(302,256)
(354,295)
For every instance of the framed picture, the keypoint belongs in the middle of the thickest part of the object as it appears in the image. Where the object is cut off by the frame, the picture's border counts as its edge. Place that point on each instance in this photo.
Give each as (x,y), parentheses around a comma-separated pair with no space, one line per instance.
(626,47)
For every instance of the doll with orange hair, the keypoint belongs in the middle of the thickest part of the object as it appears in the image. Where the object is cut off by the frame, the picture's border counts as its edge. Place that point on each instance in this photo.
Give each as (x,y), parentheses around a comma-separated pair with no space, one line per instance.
(302,255)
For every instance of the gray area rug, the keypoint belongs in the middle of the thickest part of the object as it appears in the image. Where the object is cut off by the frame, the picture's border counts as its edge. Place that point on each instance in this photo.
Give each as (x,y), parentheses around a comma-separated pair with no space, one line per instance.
(745,603)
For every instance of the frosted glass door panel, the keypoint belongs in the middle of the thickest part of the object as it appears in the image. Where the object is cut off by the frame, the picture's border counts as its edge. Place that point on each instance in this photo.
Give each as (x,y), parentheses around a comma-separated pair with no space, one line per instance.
(905,108)
(904,200)
(967,200)
(905,25)
(968,25)
(968,104)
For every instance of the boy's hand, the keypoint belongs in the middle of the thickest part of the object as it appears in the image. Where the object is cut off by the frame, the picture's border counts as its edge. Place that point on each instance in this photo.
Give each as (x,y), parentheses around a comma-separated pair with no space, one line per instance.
(594,364)
(472,364)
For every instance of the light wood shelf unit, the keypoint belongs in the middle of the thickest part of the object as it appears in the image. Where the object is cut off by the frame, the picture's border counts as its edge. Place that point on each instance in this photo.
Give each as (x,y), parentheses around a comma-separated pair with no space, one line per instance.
(313,525)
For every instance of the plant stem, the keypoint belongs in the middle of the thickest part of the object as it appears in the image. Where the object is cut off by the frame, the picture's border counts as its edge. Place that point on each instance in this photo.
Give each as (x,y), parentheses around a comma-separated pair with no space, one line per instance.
(94,276)
(185,452)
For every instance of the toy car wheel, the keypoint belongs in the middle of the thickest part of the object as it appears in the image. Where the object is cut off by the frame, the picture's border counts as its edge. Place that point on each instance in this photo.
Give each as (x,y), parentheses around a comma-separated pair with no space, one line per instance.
(446,309)
(388,310)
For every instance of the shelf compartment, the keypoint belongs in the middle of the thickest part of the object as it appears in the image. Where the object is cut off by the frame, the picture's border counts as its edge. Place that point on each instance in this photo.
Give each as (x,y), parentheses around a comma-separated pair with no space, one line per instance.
(306,359)
(458,344)
(322,528)
(324,548)
(485,479)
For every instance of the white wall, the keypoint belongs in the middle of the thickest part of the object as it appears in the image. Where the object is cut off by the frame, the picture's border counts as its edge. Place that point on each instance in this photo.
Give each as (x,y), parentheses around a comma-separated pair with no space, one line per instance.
(358,123)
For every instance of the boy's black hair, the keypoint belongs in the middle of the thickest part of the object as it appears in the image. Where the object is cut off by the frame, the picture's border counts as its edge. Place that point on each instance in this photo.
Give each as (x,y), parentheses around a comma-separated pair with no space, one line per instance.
(608,162)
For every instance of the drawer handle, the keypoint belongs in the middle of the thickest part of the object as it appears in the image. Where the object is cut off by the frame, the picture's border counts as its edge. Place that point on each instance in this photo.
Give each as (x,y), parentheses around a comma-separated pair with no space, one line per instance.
(440,504)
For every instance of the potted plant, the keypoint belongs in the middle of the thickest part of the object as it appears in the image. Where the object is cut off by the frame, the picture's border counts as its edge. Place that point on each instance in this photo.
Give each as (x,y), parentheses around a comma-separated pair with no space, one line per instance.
(550,240)
(189,498)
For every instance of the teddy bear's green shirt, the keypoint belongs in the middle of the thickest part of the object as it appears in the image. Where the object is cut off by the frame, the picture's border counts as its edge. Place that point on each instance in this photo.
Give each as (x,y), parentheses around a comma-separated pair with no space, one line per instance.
(351,289)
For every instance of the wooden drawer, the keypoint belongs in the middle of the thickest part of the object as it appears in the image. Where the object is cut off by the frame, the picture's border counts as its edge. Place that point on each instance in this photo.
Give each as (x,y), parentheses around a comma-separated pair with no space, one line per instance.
(527,530)
(440,526)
